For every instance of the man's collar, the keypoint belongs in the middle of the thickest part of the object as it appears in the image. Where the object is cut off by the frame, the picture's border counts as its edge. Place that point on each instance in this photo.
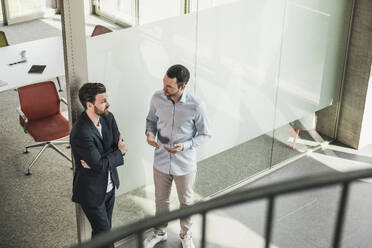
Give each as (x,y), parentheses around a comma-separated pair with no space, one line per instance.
(183,97)
(93,120)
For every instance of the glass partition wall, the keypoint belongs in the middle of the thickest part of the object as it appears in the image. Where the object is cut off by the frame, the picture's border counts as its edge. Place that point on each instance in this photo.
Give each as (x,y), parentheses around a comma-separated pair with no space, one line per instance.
(262,67)
(132,63)
(236,77)
(313,53)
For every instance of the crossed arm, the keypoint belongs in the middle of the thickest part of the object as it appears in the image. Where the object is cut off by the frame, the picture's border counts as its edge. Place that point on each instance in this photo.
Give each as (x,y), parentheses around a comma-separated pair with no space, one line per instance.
(84,147)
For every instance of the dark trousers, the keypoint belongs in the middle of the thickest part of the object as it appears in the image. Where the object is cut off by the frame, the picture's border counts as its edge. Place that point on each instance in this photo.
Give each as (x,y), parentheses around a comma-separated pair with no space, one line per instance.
(100,217)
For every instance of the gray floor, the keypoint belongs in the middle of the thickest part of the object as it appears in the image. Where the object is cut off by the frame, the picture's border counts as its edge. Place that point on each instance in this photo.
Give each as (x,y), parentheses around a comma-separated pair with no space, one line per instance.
(37,211)
(215,175)
(35,208)
(304,219)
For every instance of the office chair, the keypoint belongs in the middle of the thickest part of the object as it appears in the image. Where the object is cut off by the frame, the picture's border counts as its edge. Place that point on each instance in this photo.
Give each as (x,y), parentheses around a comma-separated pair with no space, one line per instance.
(3,40)
(40,116)
(99,29)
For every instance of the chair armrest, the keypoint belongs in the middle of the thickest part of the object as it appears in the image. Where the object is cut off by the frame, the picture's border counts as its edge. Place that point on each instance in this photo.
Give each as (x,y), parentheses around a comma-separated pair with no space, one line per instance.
(24,118)
(63,100)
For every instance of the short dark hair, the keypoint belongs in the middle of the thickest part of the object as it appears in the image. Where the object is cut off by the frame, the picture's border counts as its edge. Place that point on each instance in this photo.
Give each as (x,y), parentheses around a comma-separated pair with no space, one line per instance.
(180,72)
(88,92)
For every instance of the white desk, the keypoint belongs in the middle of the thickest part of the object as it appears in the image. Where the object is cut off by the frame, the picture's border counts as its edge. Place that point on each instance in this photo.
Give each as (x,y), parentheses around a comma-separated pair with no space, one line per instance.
(47,52)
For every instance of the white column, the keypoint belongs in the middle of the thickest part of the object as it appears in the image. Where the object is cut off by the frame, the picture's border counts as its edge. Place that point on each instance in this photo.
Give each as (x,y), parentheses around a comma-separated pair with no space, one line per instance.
(76,71)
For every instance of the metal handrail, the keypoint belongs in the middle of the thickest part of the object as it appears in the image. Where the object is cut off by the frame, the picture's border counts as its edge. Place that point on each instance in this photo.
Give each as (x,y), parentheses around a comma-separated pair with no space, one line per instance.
(269,191)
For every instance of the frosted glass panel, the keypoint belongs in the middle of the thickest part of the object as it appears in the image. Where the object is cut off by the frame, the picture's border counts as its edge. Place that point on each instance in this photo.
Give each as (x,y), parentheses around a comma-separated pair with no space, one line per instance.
(132,63)
(311,66)
(303,59)
(314,44)
(237,67)
(237,70)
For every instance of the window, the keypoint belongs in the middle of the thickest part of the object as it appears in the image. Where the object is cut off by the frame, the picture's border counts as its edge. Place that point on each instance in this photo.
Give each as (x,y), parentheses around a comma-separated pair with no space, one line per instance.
(150,10)
(23,10)
(138,12)
(25,7)
(1,14)
(207,4)
(121,11)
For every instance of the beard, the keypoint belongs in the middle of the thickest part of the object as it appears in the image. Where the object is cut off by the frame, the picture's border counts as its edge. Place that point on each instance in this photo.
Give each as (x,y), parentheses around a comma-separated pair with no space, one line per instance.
(173,94)
(101,113)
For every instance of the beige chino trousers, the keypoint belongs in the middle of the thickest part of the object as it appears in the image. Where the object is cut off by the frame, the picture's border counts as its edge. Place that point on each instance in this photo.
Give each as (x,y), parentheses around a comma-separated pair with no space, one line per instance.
(185,192)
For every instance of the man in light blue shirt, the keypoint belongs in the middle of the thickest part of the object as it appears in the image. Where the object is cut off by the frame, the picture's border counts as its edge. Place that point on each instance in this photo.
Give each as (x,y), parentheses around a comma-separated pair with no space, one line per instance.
(180,123)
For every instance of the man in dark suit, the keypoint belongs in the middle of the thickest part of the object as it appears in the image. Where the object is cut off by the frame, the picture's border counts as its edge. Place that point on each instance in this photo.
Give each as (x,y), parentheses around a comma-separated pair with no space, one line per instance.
(98,149)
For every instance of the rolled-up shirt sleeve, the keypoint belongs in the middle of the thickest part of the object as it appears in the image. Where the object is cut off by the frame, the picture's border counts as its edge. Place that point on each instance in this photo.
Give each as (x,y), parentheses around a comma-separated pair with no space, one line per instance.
(151,120)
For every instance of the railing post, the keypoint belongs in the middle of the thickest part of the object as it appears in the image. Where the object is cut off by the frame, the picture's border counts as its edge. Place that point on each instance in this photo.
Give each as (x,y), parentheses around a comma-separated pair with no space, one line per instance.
(269,220)
(204,225)
(341,215)
(140,239)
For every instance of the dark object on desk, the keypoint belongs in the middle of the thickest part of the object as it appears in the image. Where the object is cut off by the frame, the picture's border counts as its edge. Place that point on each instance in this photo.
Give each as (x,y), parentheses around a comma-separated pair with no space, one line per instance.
(37,69)
(18,62)
(99,29)
(3,40)
(41,117)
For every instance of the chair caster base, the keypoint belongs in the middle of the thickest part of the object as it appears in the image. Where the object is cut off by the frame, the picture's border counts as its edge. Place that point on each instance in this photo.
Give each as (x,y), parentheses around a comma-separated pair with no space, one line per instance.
(68,147)
(26,151)
(60,90)
(28,173)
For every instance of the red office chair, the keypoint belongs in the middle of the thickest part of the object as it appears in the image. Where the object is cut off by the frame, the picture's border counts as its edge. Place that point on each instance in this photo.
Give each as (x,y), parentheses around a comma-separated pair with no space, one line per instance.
(40,116)
(99,29)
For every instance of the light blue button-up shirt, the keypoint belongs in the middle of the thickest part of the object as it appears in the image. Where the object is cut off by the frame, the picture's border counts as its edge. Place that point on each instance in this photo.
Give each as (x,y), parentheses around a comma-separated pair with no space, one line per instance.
(183,122)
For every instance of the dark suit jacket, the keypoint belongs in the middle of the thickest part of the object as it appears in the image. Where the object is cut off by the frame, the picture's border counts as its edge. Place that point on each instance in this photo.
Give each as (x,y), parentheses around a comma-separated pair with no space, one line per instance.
(101,154)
